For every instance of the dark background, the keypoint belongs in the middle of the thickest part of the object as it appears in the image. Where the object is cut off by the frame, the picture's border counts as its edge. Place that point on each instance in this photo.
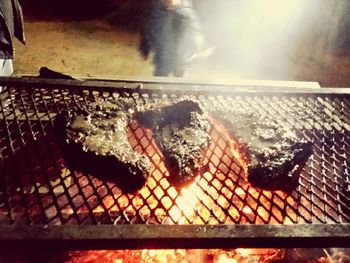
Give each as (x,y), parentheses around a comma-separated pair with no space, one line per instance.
(100,38)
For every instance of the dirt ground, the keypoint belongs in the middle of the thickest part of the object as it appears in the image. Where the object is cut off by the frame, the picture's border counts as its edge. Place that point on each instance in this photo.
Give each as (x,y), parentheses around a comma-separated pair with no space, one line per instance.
(97,46)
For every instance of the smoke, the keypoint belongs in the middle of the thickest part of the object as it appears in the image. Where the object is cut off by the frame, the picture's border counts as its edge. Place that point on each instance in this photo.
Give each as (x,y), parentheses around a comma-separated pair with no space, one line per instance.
(259,38)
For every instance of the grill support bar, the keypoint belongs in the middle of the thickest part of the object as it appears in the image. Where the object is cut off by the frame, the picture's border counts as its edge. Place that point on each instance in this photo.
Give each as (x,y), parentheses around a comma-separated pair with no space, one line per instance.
(177,236)
(160,85)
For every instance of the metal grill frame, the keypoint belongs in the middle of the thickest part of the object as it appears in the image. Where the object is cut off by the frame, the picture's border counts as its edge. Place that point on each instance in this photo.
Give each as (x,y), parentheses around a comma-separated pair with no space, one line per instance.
(177,236)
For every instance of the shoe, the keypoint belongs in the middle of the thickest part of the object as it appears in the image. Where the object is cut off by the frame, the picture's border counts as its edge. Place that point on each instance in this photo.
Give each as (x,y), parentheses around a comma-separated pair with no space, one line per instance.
(179,72)
(203,53)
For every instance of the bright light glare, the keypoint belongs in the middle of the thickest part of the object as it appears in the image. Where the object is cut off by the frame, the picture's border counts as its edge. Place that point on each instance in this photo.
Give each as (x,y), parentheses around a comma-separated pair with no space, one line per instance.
(260,34)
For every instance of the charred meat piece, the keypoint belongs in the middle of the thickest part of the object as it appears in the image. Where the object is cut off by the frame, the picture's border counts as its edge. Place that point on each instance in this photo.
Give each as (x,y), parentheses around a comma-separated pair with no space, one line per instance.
(181,133)
(94,140)
(275,154)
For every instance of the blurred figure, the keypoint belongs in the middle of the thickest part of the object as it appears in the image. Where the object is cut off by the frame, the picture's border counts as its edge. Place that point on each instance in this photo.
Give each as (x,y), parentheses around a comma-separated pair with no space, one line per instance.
(11,25)
(173,33)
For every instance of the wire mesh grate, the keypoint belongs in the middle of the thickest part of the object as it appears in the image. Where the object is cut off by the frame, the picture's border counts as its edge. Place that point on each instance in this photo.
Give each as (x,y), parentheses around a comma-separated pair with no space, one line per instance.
(37,188)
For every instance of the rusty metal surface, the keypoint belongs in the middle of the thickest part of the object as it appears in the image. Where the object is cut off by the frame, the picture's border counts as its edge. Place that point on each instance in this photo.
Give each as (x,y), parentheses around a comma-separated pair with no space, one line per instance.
(178,236)
(173,85)
(37,189)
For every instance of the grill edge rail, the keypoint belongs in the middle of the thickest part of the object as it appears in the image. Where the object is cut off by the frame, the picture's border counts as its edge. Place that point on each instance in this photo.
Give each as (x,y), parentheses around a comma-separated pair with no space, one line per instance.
(178,236)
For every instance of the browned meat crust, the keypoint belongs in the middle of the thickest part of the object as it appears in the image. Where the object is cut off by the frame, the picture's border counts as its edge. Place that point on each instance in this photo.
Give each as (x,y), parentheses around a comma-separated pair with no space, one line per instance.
(94,140)
(181,132)
(276,155)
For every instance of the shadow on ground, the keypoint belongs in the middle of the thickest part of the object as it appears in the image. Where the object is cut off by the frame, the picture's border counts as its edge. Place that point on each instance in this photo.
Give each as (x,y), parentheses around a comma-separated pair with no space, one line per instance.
(128,14)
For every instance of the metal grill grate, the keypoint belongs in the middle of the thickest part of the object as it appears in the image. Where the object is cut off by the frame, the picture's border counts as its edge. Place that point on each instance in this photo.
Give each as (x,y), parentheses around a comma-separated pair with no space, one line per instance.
(36,188)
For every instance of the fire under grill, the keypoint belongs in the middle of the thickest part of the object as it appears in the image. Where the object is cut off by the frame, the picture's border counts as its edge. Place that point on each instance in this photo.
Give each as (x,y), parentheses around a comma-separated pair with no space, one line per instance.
(43,201)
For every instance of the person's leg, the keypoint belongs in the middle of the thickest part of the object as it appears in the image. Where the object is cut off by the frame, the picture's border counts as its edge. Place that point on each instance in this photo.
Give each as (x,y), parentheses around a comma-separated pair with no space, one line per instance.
(161,71)
(163,60)
(192,45)
(193,38)
(179,72)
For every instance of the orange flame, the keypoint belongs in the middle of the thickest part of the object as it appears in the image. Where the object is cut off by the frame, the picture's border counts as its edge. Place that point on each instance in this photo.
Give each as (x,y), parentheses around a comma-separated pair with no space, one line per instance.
(235,146)
(185,203)
(223,258)
(247,210)
(176,255)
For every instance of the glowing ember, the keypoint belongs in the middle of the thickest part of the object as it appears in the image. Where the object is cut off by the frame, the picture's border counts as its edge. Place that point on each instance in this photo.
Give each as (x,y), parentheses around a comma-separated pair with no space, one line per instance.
(223,258)
(207,256)
(244,252)
(240,192)
(186,203)
(247,210)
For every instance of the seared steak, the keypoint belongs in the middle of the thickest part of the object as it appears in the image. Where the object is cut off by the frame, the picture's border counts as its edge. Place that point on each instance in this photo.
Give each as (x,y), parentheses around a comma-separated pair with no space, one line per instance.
(181,133)
(94,140)
(275,154)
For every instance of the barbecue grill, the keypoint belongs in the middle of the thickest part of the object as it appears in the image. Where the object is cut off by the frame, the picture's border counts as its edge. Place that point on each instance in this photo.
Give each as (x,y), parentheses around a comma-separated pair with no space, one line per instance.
(44,202)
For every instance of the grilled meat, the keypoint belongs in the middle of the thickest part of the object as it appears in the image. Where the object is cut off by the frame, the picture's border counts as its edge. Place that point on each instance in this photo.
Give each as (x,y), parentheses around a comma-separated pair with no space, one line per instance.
(275,154)
(181,132)
(94,140)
